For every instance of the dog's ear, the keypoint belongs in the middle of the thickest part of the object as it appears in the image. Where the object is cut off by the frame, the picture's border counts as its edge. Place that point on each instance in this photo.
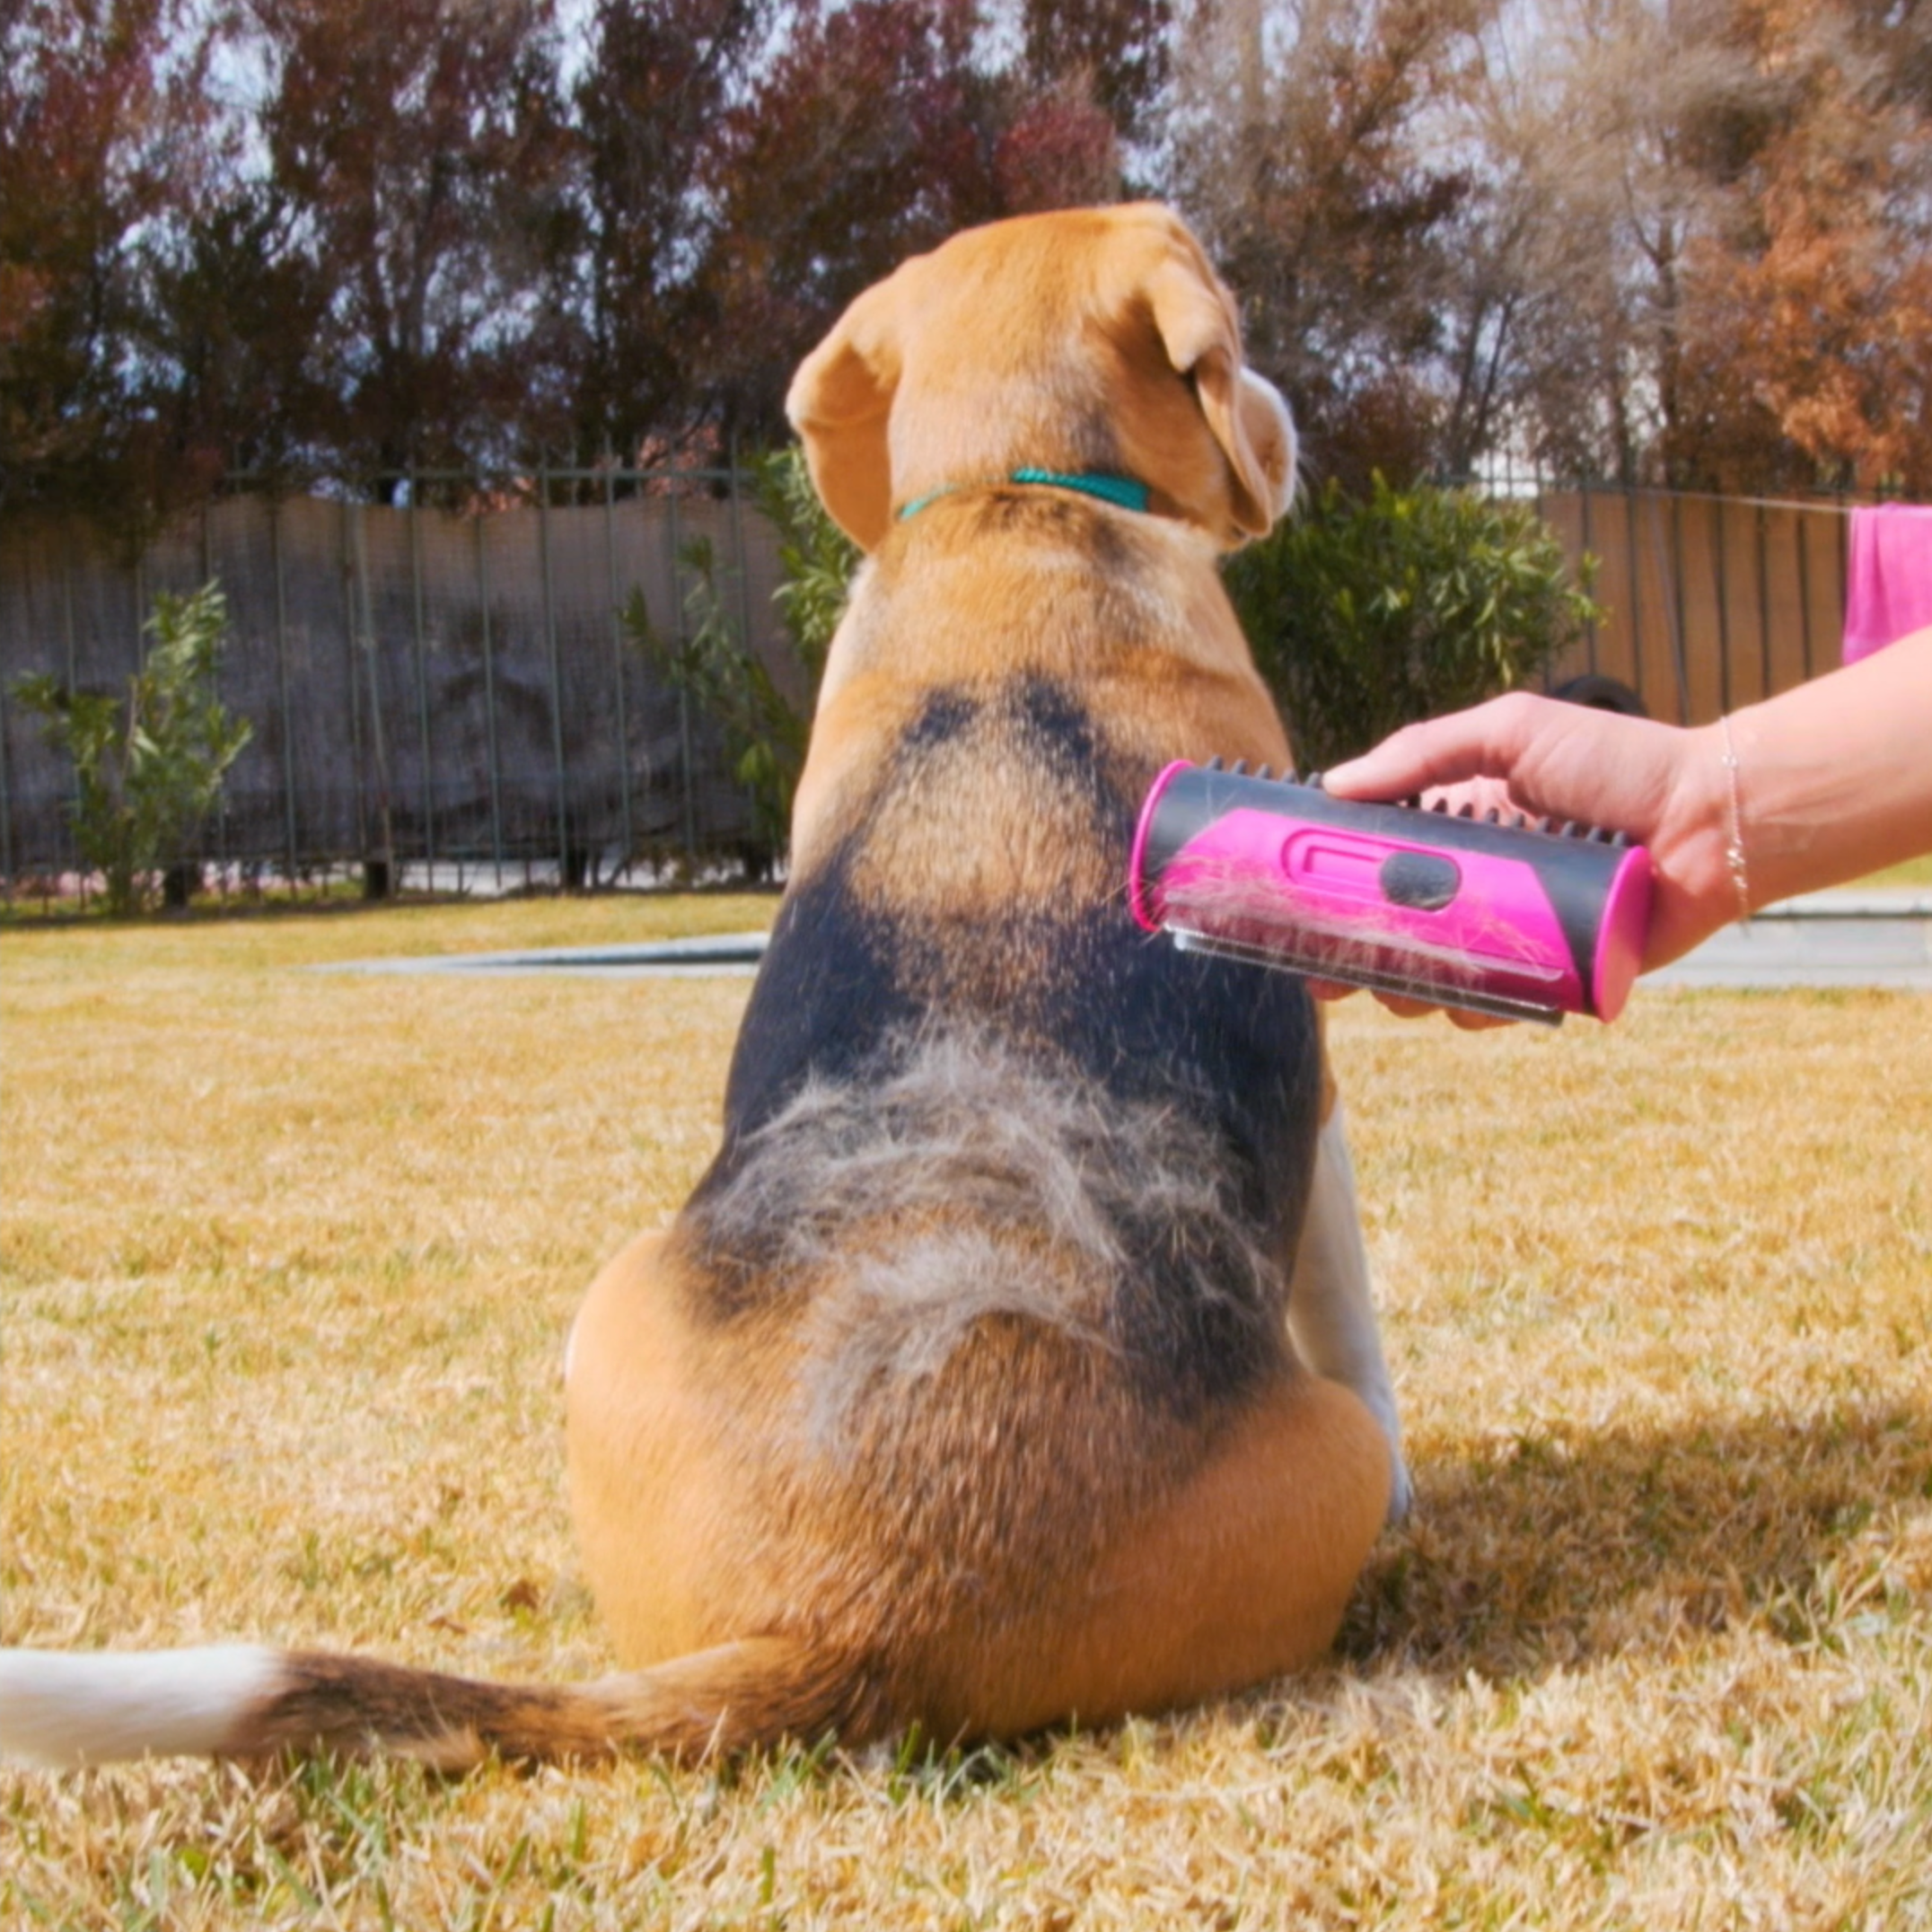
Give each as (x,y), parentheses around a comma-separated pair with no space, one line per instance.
(839,403)
(1196,322)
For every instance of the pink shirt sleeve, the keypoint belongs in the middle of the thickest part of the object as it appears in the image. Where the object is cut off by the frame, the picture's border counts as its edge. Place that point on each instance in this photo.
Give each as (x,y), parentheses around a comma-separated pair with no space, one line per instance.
(1888,589)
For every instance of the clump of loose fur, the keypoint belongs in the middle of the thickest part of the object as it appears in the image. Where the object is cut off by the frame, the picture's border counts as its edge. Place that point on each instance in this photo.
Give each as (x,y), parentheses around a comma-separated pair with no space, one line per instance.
(1273,918)
(972,1178)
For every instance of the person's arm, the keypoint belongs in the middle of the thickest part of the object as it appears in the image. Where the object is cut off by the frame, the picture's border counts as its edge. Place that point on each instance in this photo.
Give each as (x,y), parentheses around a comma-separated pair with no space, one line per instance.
(1833,779)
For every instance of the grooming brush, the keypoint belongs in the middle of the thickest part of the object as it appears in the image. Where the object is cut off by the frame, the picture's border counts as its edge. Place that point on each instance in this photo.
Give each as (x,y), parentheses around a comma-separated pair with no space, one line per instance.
(1525,920)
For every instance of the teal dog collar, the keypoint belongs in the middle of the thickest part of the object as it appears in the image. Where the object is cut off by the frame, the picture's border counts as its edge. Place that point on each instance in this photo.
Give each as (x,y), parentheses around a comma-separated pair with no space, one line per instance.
(1123,492)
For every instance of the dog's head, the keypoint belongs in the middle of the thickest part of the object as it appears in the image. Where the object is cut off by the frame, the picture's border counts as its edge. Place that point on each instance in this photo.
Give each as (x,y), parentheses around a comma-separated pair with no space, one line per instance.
(1094,341)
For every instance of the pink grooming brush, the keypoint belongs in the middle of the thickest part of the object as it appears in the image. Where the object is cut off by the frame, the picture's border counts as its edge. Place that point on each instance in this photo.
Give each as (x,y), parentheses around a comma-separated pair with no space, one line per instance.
(1526,921)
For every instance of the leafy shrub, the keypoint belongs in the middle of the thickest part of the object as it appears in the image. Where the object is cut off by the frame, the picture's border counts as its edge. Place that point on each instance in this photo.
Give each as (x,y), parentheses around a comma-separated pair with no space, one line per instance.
(710,663)
(148,767)
(817,557)
(764,731)
(1367,616)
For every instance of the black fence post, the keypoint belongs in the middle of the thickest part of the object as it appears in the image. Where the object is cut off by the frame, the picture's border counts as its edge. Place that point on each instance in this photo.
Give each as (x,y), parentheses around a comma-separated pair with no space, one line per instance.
(6,805)
(190,877)
(376,880)
(684,702)
(281,674)
(348,659)
(383,884)
(73,685)
(565,866)
(617,657)
(489,708)
(427,789)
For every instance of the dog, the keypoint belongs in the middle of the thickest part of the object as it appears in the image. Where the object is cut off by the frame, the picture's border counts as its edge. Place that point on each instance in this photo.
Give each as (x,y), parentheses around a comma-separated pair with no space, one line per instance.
(1012,1362)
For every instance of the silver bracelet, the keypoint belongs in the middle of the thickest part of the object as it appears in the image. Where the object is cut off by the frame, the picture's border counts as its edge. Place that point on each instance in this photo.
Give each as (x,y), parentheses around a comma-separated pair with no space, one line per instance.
(1734,851)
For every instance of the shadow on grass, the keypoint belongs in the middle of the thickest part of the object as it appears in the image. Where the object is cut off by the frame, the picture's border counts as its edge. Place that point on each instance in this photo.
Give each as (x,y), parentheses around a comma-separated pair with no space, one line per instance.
(1563,1547)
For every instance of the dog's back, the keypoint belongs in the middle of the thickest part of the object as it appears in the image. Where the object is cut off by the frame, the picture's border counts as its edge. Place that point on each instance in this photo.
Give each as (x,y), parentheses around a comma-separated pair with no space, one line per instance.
(1020,1187)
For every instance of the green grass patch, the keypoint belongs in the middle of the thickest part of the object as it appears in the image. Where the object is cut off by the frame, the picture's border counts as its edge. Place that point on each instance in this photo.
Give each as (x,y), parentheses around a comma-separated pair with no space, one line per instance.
(1914,872)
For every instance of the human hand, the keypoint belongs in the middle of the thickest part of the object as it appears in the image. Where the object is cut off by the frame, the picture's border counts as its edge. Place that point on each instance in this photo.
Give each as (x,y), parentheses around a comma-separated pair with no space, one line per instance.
(1664,786)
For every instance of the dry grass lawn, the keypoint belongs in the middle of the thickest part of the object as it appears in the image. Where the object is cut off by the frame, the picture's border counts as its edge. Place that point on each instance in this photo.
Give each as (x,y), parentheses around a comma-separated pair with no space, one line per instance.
(1914,872)
(288,1261)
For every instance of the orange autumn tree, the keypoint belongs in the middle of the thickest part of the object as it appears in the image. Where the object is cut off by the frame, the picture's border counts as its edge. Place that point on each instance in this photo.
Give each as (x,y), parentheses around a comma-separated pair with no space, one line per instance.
(1809,323)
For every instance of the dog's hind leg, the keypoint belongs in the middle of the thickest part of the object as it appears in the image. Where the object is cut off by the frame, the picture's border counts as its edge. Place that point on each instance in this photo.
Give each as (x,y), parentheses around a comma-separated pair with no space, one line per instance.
(1240,1573)
(650,1489)
(1332,1313)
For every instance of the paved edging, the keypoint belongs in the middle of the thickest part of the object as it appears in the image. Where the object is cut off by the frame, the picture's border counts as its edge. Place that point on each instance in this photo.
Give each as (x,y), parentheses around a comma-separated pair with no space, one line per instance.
(724,953)
(1811,950)
(1878,902)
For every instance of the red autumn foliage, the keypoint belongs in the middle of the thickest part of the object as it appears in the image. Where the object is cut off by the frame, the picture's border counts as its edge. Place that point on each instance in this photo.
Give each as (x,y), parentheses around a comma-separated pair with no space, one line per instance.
(346,238)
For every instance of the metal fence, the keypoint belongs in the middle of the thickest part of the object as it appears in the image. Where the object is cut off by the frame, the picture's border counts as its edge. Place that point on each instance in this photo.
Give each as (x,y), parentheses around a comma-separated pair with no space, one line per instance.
(447,691)
(455,693)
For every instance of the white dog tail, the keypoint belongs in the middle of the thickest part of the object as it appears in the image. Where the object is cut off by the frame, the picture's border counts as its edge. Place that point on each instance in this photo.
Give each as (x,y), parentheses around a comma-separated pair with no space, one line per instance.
(64,1709)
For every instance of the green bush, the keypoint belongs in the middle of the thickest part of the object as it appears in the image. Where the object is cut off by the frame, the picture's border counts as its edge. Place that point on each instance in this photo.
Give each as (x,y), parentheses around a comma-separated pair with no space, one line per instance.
(712,665)
(1365,616)
(817,557)
(709,662)
(148,767)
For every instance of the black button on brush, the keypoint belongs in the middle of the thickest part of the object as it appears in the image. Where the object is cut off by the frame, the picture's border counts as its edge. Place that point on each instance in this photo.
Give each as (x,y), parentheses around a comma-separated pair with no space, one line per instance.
(1425,881)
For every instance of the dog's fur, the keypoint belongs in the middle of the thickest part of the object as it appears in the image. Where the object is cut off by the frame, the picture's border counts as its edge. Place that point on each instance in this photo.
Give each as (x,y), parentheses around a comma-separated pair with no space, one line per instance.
(962,1391)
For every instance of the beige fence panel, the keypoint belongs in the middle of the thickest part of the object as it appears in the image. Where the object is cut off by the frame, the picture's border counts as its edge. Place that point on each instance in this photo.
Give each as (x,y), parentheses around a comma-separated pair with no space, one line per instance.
(1710,602)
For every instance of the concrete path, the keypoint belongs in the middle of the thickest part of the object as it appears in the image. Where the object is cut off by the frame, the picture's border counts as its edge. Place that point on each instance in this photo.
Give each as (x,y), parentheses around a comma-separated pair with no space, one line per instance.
(1829,939)
(1826,939)
(727,954)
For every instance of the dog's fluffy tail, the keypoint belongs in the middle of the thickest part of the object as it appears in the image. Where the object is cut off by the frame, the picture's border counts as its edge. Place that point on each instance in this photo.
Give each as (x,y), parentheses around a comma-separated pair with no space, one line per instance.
(65,1709)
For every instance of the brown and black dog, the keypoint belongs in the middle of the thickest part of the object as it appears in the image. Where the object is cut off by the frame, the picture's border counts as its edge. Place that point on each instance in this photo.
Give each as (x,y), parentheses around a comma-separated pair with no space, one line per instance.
(966,1390)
